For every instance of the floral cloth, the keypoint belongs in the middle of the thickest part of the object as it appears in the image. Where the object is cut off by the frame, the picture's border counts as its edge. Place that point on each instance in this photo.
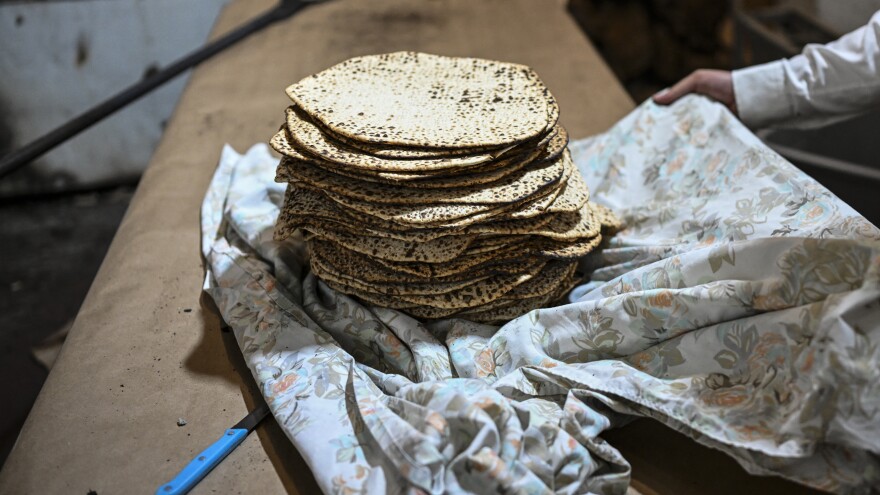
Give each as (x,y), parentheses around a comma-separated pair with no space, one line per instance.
(740,305)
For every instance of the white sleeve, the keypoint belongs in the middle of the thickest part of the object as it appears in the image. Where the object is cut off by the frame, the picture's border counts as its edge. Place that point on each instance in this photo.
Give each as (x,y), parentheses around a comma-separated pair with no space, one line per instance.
(816,87)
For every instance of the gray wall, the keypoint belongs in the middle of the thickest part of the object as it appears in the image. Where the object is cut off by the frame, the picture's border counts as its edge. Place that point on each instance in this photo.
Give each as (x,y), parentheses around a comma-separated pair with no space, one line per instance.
(59,58)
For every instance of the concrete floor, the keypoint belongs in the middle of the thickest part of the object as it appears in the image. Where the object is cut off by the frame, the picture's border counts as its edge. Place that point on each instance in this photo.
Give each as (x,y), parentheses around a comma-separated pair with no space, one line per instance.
(51,249)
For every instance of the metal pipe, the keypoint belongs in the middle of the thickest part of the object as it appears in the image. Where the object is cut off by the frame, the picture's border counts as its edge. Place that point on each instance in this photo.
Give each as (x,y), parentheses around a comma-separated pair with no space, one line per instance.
(825,162)
(38,147)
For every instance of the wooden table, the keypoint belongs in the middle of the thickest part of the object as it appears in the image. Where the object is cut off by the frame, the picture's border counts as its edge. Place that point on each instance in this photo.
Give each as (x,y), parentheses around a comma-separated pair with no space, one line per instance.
(147,349)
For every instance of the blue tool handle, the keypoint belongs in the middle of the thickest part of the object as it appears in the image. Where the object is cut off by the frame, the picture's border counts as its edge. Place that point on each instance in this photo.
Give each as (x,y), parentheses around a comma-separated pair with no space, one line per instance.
(203,463)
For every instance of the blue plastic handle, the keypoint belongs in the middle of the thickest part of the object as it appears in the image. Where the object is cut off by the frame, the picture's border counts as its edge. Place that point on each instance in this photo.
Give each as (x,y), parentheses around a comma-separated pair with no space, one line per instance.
(203,463)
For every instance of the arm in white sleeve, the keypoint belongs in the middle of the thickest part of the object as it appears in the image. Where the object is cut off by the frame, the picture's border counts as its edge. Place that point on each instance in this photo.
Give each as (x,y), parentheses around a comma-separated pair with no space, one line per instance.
(816,87)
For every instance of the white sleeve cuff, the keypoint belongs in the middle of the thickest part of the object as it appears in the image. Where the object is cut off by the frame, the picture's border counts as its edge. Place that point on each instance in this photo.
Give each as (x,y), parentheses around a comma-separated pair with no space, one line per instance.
(760,94)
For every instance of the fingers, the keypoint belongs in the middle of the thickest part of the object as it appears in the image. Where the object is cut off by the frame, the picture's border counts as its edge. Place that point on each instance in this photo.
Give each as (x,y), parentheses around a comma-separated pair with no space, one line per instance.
(719,86)
(681,88)
(716,84)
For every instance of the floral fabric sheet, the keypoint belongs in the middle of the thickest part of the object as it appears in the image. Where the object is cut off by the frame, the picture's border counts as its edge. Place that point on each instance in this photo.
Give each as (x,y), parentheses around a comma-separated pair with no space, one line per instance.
(740,305)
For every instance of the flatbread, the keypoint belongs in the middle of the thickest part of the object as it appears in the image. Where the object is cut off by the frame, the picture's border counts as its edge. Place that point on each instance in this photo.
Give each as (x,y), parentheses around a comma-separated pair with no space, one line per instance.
(407,152)
(518,227)
(436,250)
(550,147)
(326,271)
(429,101)
(496,312)
(462,177)
(499,311)
(301,206)
(411,153)
(551,276)
(566,250)
(611,224)
(481,292)
(502,242)
(568,227)
(438,186)
(461,264)
(503,260)
(304,206)
(505,312)
(461,215)
(540,206)
(308,139)
(444,205)
(517,186)
(368,270)
(574,197)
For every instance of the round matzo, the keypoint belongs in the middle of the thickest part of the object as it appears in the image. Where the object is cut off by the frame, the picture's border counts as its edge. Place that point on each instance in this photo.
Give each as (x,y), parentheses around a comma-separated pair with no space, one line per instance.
(431,101)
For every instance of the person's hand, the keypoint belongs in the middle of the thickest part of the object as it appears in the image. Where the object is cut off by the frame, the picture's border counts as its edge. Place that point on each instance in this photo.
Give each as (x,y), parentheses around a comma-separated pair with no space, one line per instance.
(716,84)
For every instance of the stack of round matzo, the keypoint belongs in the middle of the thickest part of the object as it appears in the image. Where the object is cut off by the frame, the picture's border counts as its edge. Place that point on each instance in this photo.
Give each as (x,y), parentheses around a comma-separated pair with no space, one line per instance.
(435,185)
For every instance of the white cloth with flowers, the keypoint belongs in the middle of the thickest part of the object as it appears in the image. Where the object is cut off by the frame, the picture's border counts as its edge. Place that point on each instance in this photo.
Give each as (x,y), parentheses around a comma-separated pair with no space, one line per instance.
(740,306)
